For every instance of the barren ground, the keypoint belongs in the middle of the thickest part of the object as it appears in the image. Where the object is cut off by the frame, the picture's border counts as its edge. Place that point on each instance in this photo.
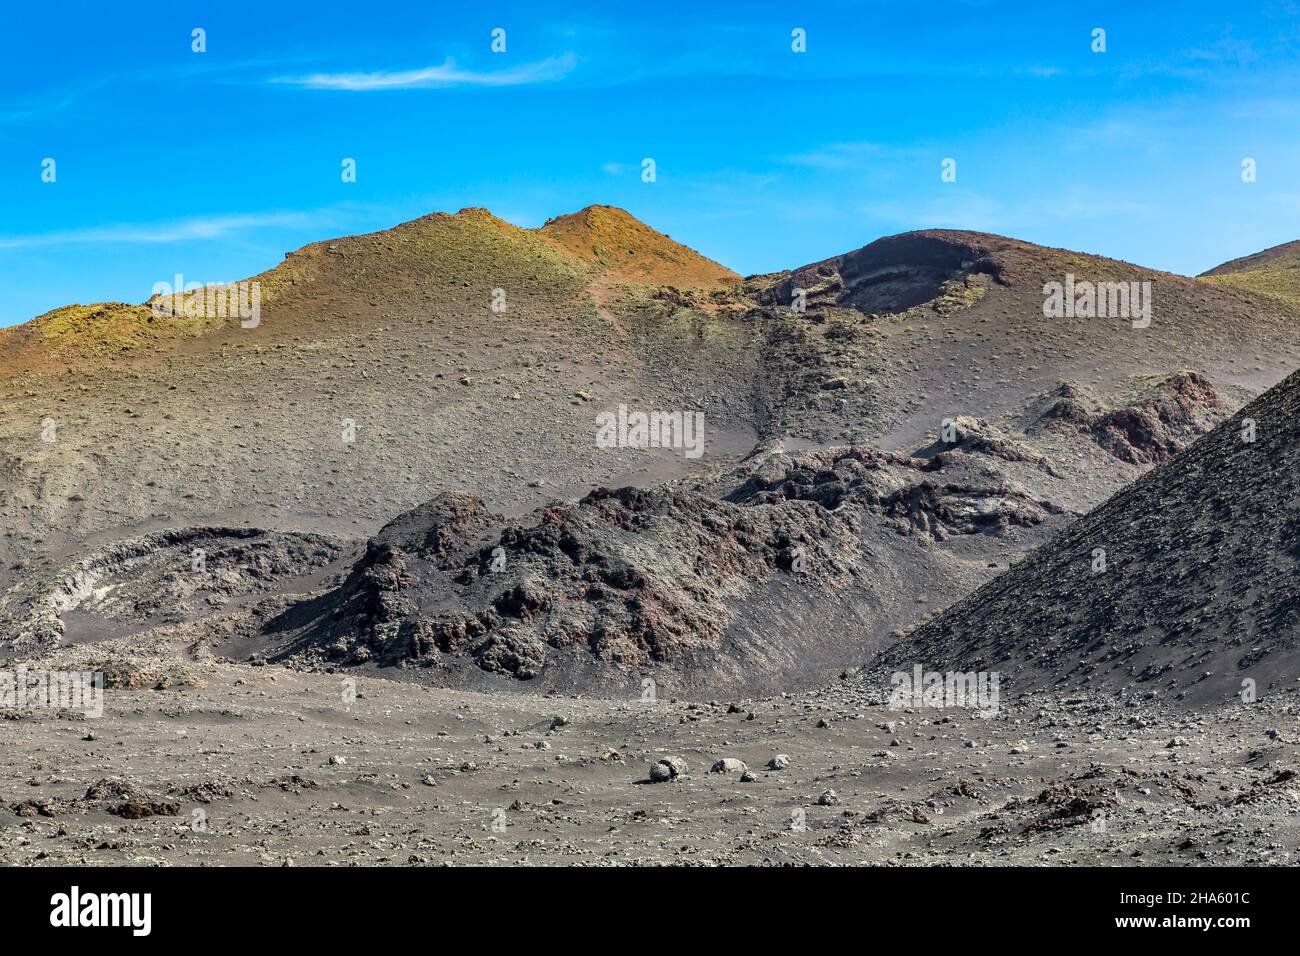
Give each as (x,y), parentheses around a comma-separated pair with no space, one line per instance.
(424,776)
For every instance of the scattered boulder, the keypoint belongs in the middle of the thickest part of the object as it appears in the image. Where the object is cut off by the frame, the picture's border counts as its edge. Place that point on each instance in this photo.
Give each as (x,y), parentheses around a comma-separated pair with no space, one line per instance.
(669,768)
(729,765)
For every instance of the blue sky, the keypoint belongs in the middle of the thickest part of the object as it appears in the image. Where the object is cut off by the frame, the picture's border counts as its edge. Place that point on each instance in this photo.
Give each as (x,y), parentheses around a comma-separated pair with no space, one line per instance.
(215,164)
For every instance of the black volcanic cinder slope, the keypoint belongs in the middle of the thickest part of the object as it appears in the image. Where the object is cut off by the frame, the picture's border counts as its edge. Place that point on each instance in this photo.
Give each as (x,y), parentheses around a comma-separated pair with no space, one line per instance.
(1199,591)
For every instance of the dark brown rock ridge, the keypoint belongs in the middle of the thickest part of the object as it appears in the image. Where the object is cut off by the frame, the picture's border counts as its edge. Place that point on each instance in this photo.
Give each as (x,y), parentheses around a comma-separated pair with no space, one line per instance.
(1166,416)
(745,589)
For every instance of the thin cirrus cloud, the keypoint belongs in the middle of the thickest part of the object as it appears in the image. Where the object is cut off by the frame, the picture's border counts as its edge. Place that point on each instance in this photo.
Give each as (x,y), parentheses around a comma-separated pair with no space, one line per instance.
(966,209)
(835,156)
(434,77)
(181,230)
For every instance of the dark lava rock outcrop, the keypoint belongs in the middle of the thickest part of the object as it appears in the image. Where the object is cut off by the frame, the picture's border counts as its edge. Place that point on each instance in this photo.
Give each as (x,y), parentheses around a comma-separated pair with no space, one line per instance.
(796,571)
(895,273)
(627,580)
(162,577)
(1162,418)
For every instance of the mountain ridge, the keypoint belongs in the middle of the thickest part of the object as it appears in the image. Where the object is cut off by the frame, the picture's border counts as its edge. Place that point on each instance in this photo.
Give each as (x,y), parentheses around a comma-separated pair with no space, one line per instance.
(604,238)
(383,376)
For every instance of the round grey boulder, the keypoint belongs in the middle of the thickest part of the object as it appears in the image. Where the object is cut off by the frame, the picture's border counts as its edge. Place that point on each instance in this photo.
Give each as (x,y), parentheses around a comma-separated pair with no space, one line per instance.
(729,765)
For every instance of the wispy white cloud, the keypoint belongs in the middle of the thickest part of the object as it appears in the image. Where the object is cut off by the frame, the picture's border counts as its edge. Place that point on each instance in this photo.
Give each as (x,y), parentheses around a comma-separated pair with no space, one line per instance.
(834,155)
(958,210)
(179,230)
(967,209)
(41,104)
(434,77)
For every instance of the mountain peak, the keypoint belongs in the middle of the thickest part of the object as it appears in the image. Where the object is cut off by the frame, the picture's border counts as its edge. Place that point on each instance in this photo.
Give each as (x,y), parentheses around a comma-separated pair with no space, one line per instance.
(1272,272)
(596,213)
(1283,255)
(614,240)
